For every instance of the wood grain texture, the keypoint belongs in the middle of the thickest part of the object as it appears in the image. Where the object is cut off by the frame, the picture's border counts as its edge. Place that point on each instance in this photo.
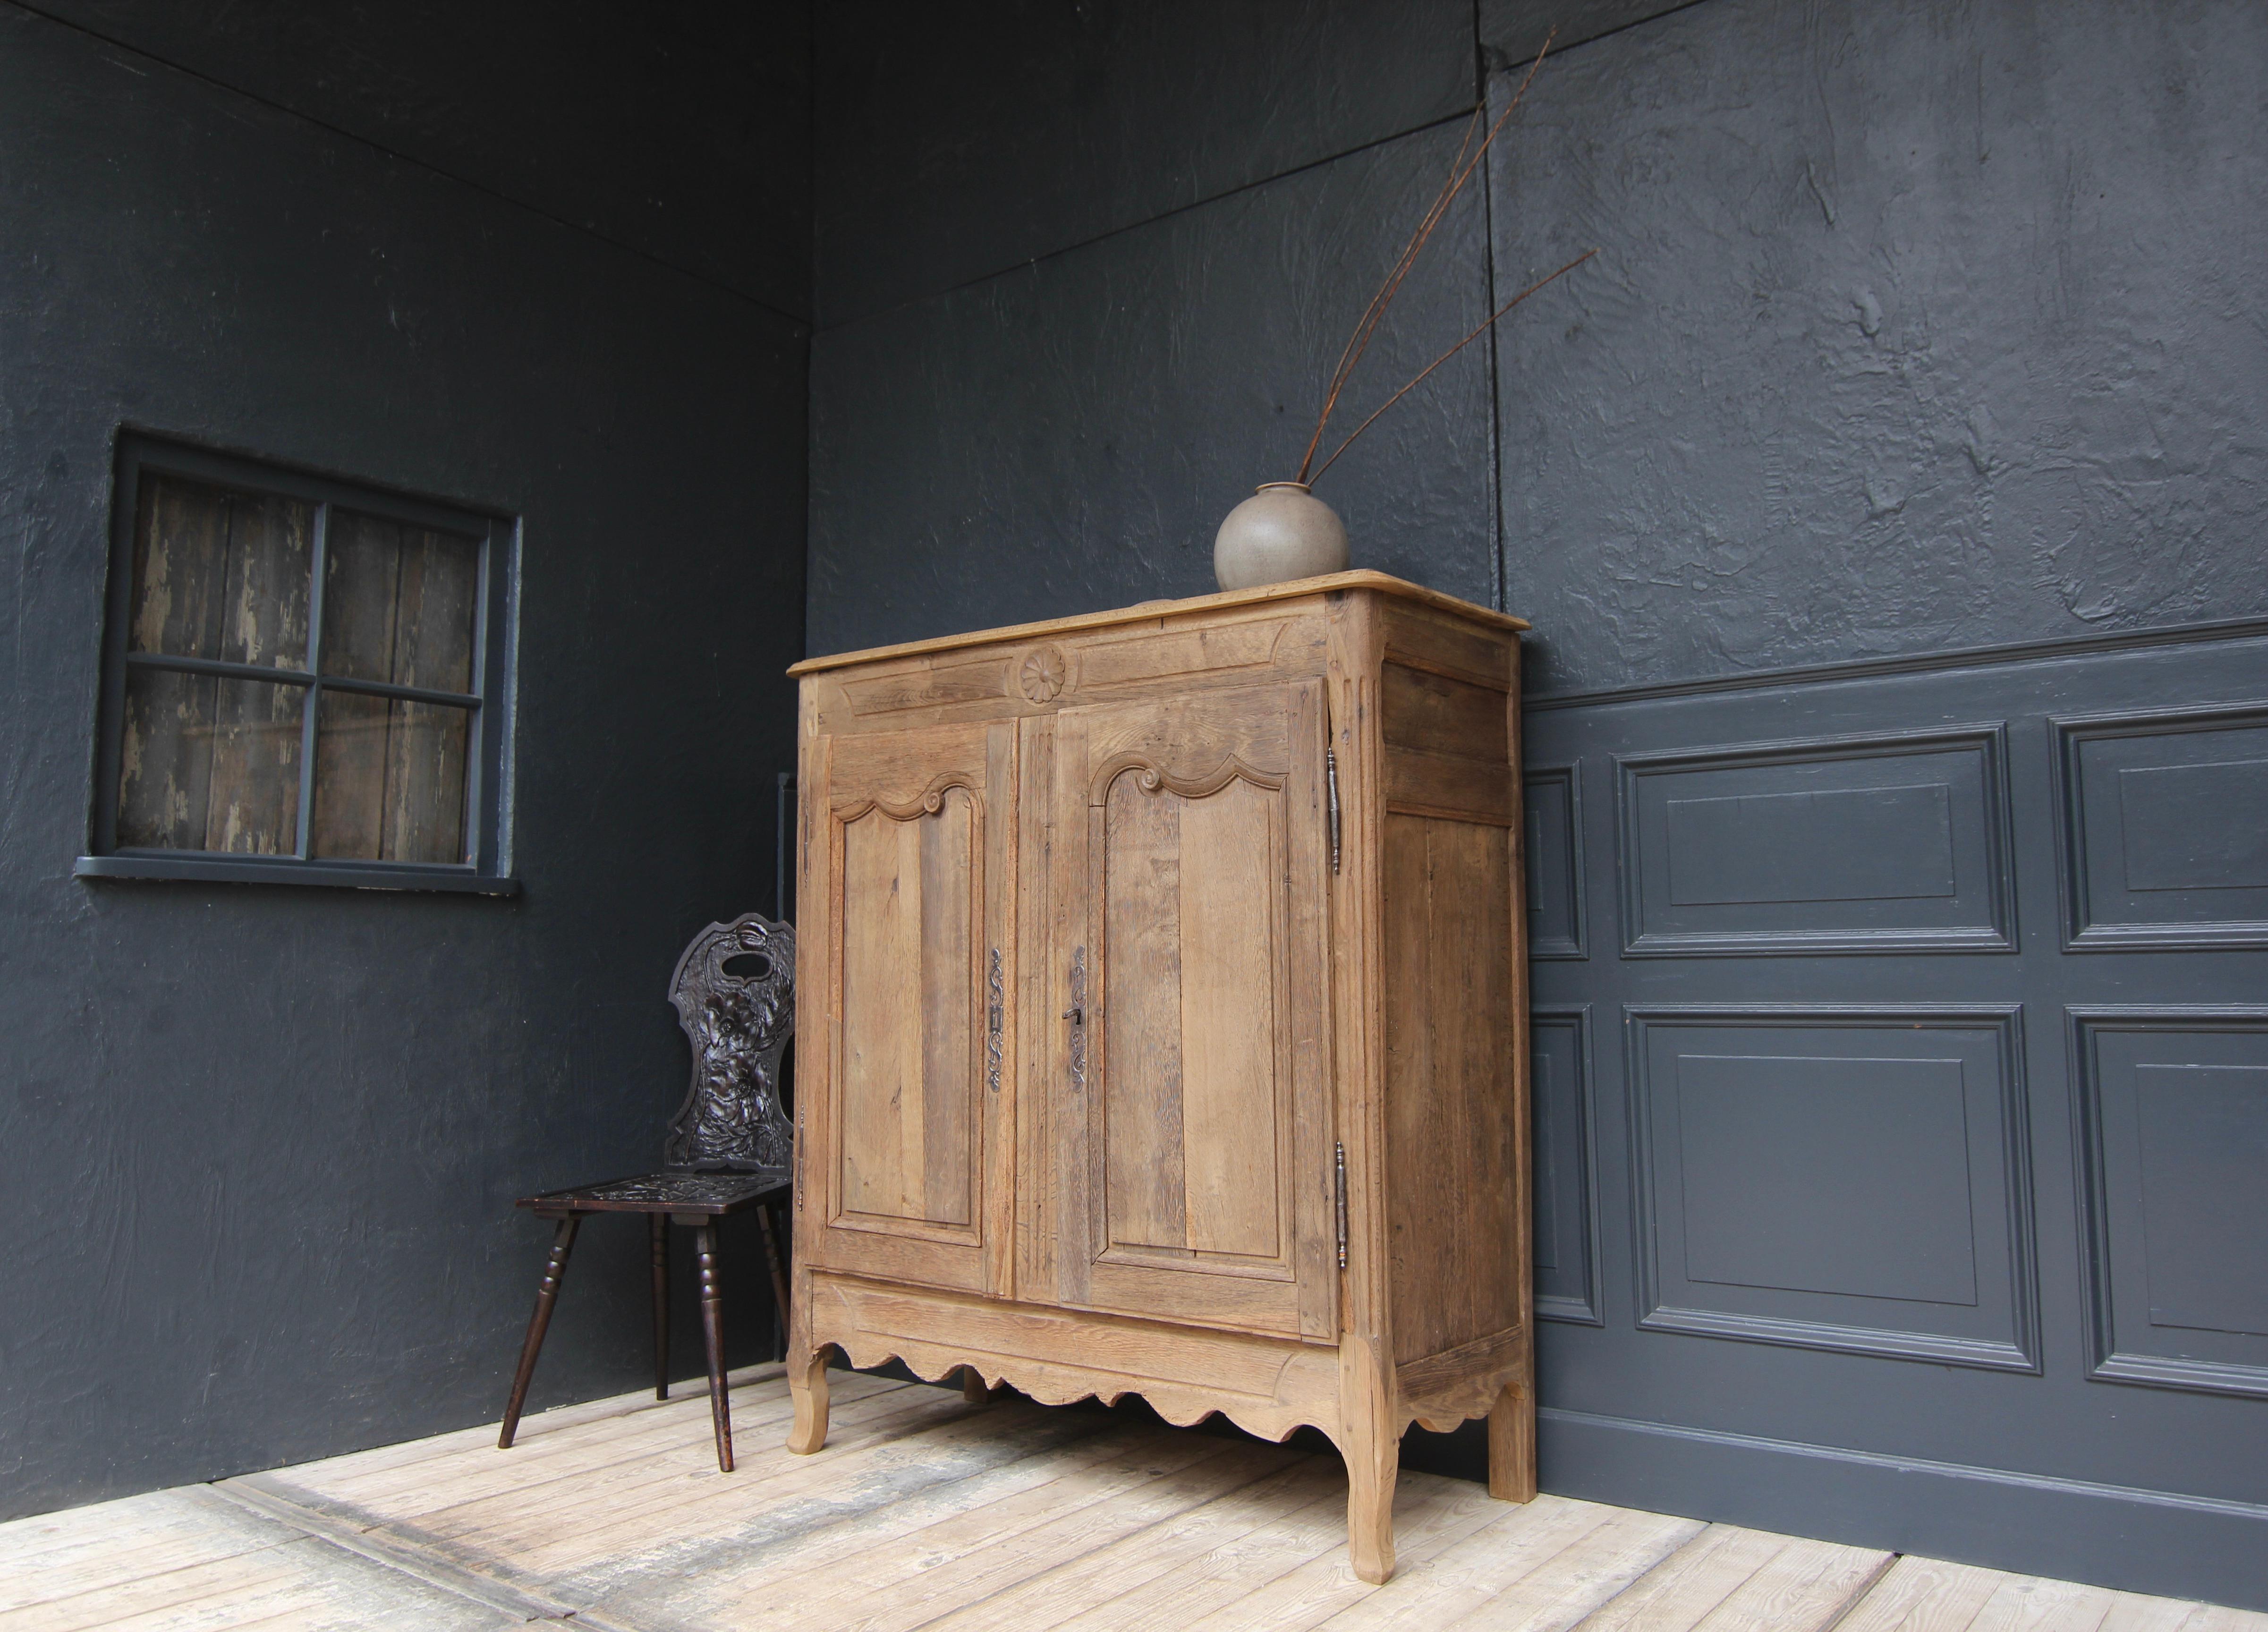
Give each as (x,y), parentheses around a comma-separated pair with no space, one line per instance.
(884,1095)
(1192,1087)
(400,606)
(1439,784)
(1378,583)
(253,802)
(948,1004)
(179,1559)
(935,1511)
(1432,714)
(1212,1006)
(1511,1444)
(912,886)
(1183,653)
(1267,1386)
(1234,1118)
(1730,1577)
(1450,1084)
(180,568)
(212,763)
(1144,1185)
(164,786)
(1429,636)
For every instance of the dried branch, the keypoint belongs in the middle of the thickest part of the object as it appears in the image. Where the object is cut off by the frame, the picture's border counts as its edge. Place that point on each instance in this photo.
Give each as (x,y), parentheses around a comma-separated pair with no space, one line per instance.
(1461,170)
(1352,352)
(1451,352)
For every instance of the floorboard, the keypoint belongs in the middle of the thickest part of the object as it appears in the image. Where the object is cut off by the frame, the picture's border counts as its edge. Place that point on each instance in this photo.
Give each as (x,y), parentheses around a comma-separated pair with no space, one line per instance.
(927,1513)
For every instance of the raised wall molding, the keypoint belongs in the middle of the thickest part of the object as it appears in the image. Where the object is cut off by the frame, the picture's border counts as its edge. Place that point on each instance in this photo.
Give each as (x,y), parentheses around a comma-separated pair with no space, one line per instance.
(1842,1177)
(2163,828)
(1567,1166)
(1553,809)
(1898,842)
(2171,1116)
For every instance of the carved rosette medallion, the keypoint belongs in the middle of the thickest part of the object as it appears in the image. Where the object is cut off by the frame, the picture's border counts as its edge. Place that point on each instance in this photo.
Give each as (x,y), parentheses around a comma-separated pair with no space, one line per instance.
(1041,679)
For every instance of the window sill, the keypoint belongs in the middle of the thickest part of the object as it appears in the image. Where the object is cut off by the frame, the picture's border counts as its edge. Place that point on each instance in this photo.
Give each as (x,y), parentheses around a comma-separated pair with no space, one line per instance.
(265,869)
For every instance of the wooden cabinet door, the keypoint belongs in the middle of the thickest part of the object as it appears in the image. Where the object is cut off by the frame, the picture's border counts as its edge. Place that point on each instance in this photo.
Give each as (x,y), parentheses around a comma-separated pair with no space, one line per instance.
(1193,1169)
(908,900)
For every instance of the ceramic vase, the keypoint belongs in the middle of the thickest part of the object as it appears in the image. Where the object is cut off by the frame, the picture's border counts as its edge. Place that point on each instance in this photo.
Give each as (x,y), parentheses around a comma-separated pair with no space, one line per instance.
(1281,531)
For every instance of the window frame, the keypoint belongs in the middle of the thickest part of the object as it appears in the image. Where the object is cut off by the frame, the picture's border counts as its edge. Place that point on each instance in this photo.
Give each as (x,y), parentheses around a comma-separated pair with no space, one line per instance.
(487,759)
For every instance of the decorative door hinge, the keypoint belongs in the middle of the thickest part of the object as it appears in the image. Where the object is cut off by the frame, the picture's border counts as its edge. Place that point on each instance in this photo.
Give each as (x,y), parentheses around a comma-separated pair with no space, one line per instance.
(1338,1195)
(1331,801)
(993,1015)
(1077,1015)
(798,1153)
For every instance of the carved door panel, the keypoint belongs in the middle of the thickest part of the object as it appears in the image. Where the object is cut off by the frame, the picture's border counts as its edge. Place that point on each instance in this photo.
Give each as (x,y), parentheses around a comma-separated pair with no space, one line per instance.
(1194,1180)
(909,1171)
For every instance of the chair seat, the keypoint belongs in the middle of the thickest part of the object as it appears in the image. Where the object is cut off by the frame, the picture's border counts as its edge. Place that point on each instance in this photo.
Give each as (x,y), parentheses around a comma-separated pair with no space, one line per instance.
(714,1193)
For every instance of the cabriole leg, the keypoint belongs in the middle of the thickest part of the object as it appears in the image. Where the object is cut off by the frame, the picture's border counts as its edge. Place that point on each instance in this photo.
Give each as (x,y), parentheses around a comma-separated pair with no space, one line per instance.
(1511,1444)
(713,1334)
(547,1294)
(1373,1456)
(807,1386)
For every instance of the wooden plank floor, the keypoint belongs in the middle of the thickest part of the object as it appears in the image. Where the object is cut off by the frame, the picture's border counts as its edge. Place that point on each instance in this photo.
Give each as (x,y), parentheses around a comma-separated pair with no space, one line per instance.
(927,1512)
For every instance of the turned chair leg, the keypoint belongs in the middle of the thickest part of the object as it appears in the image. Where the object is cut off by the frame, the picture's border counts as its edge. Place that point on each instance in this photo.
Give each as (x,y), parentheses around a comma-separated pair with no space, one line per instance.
(780,1275)
(547,1294)
(713,1334)
(657,1228)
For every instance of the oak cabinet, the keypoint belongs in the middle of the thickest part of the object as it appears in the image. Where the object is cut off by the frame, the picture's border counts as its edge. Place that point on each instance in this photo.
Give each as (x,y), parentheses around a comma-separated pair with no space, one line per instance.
(1164,1019)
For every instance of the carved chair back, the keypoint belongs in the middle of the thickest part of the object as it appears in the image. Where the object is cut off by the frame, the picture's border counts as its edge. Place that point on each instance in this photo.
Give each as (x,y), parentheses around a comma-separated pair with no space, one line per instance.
(734,993)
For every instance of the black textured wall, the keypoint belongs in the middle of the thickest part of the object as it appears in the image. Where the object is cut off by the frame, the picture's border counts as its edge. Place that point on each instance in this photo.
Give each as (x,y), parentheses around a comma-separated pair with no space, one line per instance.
(1916,327)
(258,1144)
(1919,326)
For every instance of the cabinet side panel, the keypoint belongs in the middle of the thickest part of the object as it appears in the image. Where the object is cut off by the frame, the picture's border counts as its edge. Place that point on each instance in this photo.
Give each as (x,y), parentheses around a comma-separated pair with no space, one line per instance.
(1452,1179)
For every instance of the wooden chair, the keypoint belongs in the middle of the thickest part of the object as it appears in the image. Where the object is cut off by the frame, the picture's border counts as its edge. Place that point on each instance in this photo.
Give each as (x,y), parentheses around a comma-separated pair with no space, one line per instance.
(730,1148)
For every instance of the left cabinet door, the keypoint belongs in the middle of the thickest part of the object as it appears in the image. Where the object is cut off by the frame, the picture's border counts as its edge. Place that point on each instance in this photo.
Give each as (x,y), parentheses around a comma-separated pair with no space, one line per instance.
(904,920)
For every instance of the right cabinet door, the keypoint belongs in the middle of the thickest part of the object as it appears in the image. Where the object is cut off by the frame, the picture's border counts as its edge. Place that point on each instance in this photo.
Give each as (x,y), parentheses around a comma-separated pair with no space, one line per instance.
(1192,1064)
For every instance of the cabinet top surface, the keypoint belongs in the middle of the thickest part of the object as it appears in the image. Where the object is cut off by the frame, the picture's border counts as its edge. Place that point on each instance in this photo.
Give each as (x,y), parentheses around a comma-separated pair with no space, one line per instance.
(1377,582)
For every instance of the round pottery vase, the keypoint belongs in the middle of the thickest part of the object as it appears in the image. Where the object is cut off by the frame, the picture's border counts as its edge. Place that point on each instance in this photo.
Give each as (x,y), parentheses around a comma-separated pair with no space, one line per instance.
(1281,531)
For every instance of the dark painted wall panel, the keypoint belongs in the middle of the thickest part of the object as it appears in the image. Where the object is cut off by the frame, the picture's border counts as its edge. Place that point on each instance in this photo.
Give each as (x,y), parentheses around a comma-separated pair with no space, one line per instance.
(1067,437)
(2136,1410)
(2202,1137)
(681,129)
(1828,844)
(2174,1112)
(259,1144)
(956,142)
(1552,803)
(2157,853)
(1849,1180)
(1886,844)
(1566,1158)
(1809,1174)
(1916,326)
